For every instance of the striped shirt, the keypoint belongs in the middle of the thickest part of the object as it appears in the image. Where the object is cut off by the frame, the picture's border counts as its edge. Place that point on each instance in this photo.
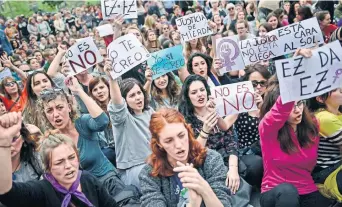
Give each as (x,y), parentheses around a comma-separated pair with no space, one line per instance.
(330,139)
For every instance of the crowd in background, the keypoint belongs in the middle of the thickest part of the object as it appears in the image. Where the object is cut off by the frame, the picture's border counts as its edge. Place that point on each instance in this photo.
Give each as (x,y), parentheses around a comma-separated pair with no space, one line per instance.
(91,140)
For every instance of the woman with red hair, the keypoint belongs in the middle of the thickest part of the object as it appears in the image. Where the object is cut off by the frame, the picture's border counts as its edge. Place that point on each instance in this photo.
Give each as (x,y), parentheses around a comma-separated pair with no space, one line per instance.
(179,170)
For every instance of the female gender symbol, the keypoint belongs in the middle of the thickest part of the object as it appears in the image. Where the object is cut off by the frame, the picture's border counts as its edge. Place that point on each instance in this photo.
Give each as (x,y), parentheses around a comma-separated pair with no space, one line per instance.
(338,72)
(226,53)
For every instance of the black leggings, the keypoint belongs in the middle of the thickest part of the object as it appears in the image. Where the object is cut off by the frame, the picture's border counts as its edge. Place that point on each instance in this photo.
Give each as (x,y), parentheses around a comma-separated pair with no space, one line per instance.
(254,169)
(286,195)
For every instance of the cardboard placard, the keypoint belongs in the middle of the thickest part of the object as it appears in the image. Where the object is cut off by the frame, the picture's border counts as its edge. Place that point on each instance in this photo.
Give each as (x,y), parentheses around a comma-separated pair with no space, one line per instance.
(83,55)
(166,60)
(285,40)
(126,53)
(110,8)
(227,49)
(105,30)
(193,26)
(234,98)
(302,78)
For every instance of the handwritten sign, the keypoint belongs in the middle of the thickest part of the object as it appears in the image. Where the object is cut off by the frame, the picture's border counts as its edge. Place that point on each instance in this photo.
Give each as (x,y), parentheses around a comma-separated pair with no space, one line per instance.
(83,55)
(111,8)
(234,98)
(167,60)
(105,30)
(227,49)
(126,53)
(302,78)
(193,26)
(6,72)
(304,34)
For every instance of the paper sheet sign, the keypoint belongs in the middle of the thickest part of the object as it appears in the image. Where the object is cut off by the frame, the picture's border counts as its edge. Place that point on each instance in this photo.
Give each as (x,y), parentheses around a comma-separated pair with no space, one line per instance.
(285,40)
(234,98)
(82,55)
(111,8)
(302,78)
(105,30)
(126,53)
(193,26)
(167,60)
(227,49)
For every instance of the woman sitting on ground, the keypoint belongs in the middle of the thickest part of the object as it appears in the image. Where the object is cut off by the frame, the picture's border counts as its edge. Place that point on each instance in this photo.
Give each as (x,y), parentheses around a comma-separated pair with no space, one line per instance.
(63,184)
(179,169)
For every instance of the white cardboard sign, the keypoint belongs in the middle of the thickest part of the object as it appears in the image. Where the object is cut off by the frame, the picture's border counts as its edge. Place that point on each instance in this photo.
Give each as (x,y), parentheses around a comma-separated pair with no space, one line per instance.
(126,53)
(302,78)
(285,40)
(110,8)
(234,98)
(193,26)
(105,30)
(83,55)
(227,49)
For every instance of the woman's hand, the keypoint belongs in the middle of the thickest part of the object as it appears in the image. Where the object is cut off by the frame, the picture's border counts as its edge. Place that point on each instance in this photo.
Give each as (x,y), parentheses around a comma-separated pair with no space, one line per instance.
(148,74)
(307,53)
(118,21)
(233,179)
(108,68)
(258,99)
(211,105)
(6,62)
(192,180)
(73,84)
(10,125)
(210,120)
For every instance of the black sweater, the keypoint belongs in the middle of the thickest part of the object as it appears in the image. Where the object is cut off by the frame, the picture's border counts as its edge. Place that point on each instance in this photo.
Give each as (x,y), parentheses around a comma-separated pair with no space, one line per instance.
(42,194)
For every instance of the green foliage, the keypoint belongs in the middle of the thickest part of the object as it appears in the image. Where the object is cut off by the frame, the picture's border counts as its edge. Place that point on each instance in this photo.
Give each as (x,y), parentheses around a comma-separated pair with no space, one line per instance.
(52,4)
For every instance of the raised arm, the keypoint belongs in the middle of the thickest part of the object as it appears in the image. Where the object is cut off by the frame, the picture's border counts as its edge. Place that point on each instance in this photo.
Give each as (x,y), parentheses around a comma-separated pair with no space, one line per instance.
(8,63)
(93,109)
(148,83)
(54,67)
(115,92)
(10,125)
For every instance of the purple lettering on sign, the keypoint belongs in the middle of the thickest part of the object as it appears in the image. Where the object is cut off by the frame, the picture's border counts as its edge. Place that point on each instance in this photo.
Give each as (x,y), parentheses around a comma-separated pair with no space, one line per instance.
(338,72)
(226,52)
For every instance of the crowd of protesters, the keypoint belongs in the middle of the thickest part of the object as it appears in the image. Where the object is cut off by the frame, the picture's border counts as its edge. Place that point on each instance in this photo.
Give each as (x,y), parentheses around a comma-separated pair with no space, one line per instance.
(91,140)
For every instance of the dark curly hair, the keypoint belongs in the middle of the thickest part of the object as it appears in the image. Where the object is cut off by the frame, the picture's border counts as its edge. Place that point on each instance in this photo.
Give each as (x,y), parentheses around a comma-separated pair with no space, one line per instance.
(207,59)
(185,105)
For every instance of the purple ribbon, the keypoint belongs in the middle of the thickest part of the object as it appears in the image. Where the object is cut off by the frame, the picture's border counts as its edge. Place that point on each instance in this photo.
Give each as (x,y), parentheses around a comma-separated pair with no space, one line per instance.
(72,191)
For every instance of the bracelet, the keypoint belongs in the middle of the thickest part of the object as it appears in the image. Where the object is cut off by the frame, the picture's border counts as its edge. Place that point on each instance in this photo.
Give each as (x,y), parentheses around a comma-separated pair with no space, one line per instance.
(8,146)
(205,132)
(202,136)
(233,166)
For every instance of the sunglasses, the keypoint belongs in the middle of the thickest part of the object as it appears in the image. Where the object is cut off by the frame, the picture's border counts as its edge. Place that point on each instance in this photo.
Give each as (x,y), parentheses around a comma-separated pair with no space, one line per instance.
(231,8)
(261,83)
(9,84)
(51,93)
(14,139)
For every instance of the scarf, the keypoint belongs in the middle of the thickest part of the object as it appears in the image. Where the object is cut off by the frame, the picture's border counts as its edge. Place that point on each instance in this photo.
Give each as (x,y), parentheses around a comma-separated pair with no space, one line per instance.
(71,191)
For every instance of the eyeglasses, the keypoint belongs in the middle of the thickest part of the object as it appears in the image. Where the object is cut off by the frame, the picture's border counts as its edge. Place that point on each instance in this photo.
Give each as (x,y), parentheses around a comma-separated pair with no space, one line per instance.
(300,104)
(9,84)
(14,139)
(51,93)
(261,83)
(231,8)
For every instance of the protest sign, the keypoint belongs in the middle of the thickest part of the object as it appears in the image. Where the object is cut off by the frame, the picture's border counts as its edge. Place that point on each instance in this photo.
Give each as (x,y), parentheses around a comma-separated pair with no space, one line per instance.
(165,61)
(228,51)
(281,41)
(193,26)
(111,8)
(82,55)
(126,52)
(6,72)
(234,98)
(105,30)
(302,78)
